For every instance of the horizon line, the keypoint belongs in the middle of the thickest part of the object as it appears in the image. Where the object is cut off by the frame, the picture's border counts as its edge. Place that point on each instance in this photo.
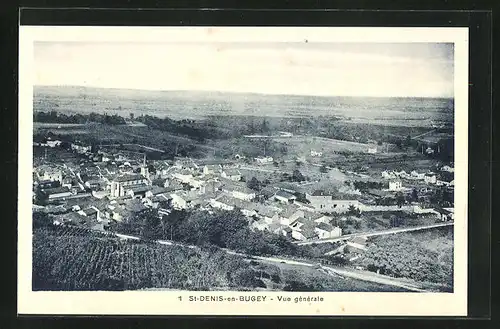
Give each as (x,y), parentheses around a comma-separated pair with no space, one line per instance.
(240,92)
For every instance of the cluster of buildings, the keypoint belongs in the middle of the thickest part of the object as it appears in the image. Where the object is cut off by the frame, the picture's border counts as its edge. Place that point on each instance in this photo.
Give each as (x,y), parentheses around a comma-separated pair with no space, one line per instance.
(110,186)
(97,192)
(429,177)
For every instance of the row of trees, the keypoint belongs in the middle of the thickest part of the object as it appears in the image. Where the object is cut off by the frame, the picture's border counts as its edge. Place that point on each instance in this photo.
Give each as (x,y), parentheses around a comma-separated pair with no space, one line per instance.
(56,117)
(223,229)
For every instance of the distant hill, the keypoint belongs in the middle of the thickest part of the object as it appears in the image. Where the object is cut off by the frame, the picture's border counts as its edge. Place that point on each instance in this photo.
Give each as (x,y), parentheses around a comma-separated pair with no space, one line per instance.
(196,104)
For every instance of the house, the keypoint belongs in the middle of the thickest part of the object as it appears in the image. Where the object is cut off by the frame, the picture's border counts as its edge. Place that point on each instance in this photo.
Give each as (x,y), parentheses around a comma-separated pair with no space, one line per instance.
(72,217)
(80,148)
(284,197)
(172,185)
(211,169)
(185,199)
(316,154)
(275,228)
(239,157)
(94,182)
(290,214)
(178,201)
(286,231)
(267,213)
(55,143)
(100,194)
(325,202)
(138,191)
(121,184)
(183,177)
(228,202)
(157,201)
(415,175)
(222,202)
(430,178)
(395,185)
(260,225)
(232,174)
(448,169)
(237,190)
(372,150)
(445,214)
(387,175)
(325,231)
(264,160)
(305,232)
(56,193)
(91,212)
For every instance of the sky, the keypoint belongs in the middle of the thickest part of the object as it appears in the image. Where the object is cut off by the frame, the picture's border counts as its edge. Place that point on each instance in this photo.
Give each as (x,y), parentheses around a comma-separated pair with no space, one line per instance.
(298,68)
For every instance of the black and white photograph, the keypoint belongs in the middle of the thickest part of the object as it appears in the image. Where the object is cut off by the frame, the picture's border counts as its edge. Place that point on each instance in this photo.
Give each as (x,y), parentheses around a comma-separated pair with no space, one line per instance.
(269,166)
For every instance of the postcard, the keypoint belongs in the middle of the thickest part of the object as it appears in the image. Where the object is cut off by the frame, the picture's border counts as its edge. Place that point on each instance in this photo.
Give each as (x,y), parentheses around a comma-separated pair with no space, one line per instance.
(243,171)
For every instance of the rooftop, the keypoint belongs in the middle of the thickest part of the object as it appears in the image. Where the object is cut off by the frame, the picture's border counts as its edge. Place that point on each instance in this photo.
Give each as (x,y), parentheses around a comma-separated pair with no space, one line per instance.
(325,227)
(289,210)
(127,178)
(285,194)
(140,188)
(56,190)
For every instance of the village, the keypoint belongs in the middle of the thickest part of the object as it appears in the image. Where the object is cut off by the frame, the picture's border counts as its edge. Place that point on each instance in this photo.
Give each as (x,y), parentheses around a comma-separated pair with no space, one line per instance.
(90,188)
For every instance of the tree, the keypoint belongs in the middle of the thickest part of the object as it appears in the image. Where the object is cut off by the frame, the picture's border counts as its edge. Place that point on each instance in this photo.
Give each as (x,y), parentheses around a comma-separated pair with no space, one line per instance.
(41,219)
(353,211)
(400,199)
(323,169)
(254,184)
(414,195)
(151,225)
(131,116)
(297,176)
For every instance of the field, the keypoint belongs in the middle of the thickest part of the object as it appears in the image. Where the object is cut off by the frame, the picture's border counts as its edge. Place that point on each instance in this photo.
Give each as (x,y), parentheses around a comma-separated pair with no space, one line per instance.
(195,105)
(425,256)
(74,259)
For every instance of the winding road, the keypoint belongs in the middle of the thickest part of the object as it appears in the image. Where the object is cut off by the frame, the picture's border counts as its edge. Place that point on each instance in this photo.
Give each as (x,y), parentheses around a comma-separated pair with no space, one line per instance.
(368,234)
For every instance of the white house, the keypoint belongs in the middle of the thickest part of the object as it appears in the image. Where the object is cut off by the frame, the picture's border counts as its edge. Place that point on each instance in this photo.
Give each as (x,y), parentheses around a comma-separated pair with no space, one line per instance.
(325,231)
(372,150)
(264,160)
(80,148)
(290,214)
(211,169)
(284,196)
(395,185)
(430,178)
(53,143)
(415,175)
(447,168)
(178,202)
(183,178)
(327,203)
(232,174)
(387,175)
